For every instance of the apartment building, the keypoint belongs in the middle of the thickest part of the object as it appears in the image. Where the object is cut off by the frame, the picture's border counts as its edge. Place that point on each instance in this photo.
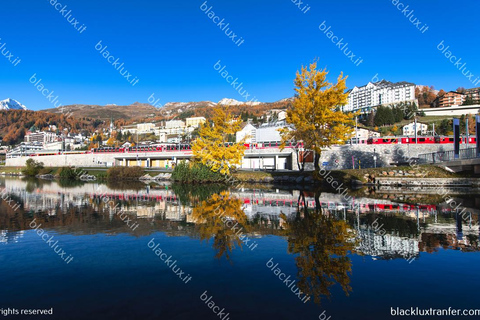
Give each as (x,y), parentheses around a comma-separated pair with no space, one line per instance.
(473,94)
(195,122)
(140,128)
(379,93)
(41,137)
(451,98)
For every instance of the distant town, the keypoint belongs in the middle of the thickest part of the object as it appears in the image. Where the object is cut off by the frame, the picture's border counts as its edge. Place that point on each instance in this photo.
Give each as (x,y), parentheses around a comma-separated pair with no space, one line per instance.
(385,109)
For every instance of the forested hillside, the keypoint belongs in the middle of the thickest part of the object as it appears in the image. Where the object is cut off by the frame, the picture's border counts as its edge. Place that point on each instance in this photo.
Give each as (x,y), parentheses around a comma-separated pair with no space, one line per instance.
(15,123)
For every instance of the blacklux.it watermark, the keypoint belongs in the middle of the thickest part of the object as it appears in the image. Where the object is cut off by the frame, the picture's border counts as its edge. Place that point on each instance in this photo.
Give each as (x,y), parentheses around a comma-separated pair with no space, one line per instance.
(303,8)
(290,283)
(9,55)
(238,86)
(416,311)
(154,102)
(457,62)
(339,188)
(459,209)
(115,63)
(45,91)
(168,261)
(235,228)
(42,234)
(8,200)
(225,27)
(215,308)
(339,43)
(121,213)
(408,13)
(68,15)
(48,94)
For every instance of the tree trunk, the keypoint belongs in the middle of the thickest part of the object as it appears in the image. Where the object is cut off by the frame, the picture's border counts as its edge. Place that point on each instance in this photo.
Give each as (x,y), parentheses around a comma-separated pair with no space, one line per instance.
(318,206)
(300,167)
(317,162)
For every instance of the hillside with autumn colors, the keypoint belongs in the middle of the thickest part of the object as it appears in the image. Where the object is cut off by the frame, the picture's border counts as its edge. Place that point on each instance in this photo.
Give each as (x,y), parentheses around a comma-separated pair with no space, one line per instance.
(15,123)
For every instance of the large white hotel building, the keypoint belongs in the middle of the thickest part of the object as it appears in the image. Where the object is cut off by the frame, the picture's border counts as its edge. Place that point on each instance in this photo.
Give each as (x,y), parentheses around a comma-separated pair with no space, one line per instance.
(379,93)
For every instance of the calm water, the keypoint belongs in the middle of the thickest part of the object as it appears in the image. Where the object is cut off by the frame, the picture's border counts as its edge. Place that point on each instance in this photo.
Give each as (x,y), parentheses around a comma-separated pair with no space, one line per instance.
(351,259)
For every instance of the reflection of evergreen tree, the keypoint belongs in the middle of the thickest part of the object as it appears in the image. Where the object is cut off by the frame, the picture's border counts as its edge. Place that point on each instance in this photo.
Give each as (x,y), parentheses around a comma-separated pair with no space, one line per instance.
(215,218)
(321,244)
(401,226)
(193,194)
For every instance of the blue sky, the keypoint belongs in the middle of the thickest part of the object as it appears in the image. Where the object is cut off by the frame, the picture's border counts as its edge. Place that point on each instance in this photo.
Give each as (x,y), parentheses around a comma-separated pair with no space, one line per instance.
(172,46)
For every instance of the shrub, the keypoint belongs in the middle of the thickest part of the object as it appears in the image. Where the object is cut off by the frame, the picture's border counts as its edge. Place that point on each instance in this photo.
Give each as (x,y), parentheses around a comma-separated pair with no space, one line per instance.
(195,172)
(67,173)
(45,171)
(124,173)
(32,168)
(101,175)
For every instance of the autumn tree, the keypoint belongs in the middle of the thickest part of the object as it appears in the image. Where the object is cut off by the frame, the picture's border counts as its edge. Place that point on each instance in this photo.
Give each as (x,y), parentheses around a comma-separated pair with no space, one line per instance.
(425,95)
(315,115)
(212,147)
(111,142)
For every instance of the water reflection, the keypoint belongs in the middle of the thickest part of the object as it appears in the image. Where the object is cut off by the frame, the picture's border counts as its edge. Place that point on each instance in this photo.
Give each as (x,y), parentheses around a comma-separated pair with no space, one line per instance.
(221,217)
(322,229)
(321,244)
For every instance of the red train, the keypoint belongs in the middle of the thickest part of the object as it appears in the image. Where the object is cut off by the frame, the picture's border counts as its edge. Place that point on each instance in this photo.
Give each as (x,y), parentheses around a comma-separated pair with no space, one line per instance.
(419,140)
(184,147)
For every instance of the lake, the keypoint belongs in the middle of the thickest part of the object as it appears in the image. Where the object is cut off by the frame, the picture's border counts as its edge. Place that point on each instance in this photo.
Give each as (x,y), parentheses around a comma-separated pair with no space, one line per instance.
(161,251)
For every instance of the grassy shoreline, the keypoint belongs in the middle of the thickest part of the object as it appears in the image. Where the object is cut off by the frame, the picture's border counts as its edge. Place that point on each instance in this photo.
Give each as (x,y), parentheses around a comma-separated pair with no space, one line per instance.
(345,175)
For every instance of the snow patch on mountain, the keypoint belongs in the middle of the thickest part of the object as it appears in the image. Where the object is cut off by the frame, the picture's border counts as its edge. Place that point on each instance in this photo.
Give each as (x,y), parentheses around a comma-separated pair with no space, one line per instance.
(233,102)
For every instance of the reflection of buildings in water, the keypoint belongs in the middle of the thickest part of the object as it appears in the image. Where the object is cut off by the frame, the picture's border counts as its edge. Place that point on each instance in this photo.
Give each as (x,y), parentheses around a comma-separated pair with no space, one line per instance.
(436,235)
(252,210)
(463,235)
(177,212)
(386,247)
(433,241)
(51,196)
(46,202)
(7,237)
(162,208)
(264,207)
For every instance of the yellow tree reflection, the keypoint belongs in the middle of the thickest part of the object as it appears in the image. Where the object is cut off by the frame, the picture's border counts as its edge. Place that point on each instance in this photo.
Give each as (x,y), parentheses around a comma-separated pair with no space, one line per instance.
(321,244)
(221,217)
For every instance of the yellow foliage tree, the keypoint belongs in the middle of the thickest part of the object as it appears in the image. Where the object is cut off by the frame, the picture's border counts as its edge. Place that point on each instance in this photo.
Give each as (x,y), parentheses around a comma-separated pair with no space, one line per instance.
(212,147)
(110,142)
(315,115)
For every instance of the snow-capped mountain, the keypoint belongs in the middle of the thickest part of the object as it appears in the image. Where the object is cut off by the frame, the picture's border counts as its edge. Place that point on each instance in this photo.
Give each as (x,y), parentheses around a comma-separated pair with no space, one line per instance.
(187,105)
(233,102)
(287,100)
(10,104)
(224,101)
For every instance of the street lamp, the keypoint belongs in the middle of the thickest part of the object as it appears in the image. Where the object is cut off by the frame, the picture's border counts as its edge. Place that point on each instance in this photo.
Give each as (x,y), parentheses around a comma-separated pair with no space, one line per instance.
(374,158)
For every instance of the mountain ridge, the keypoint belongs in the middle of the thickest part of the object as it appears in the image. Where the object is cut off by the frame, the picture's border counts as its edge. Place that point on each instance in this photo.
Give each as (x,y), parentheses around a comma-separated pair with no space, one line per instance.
(139,110)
